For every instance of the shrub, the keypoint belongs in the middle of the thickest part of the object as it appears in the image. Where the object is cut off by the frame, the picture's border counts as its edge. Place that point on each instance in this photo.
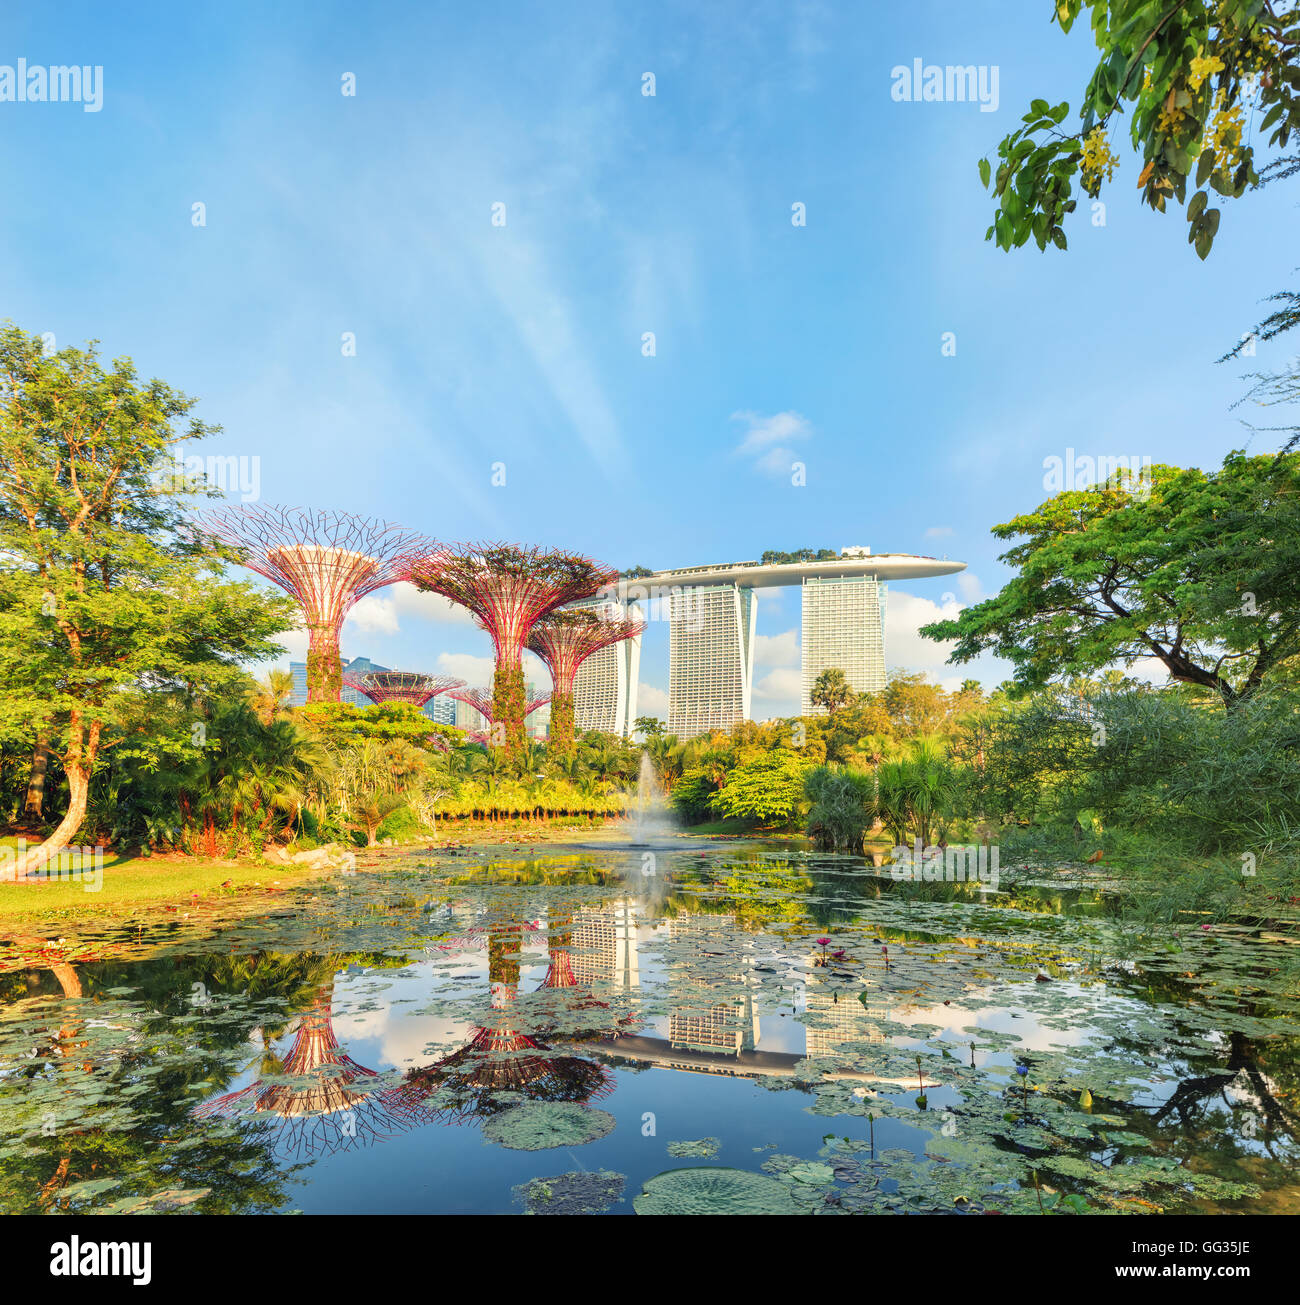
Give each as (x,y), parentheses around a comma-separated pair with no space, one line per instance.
(841,804)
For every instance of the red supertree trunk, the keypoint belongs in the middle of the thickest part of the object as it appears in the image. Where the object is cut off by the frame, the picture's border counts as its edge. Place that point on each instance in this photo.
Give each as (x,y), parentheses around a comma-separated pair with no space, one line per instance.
(509,589)
(326,561)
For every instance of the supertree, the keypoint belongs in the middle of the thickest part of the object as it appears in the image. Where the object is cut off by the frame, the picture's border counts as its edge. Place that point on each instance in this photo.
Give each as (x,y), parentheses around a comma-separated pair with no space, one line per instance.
(509,589)
(331,1107)
(401,686)
(482,702)
(501,1063)
(325,560)
(564,640)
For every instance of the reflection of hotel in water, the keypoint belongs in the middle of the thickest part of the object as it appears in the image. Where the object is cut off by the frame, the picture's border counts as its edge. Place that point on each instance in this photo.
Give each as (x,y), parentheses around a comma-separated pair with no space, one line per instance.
(839,1017)
(605,947)
(700,1018)
(695,1022)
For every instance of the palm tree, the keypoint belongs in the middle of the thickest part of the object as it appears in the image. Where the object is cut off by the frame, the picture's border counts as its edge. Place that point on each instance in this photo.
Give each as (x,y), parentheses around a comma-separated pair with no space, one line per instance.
(269,698)
(872,749)
(831,690)
(916,792)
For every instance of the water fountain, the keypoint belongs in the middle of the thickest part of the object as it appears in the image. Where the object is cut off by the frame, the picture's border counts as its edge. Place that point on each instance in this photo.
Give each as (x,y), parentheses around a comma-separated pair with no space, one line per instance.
(652,817)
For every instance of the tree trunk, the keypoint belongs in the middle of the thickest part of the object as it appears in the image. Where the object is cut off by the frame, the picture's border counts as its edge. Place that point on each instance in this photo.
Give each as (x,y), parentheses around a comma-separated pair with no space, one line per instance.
(77,765)
(34,807)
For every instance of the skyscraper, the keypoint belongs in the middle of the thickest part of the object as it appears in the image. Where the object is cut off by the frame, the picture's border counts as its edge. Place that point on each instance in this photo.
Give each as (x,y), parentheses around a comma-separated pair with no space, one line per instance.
(711,656)
(844,628)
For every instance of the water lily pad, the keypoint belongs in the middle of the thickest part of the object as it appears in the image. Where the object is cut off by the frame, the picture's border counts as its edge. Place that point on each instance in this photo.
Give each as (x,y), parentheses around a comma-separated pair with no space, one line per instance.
(712,1190)
(578,1192)
(539,1126)
(699,1149)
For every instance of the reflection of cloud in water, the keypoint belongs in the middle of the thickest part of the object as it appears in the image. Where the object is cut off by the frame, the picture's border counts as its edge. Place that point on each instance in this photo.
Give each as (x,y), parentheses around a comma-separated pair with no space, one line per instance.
(391,1030)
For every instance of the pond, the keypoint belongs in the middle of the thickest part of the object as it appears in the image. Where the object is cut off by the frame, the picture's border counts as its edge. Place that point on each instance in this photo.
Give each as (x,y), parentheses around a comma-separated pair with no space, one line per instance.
(717,1027)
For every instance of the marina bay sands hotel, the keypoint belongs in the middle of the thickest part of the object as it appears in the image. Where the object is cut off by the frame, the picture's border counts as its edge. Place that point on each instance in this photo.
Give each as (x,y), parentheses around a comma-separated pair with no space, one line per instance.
(712,615)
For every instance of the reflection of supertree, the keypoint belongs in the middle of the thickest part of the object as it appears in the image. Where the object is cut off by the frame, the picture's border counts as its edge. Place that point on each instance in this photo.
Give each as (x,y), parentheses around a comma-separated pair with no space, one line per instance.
(501,1063)
(326,560)
(332,1110)
(482,702)
(564,640)
(509,589)
(401,686)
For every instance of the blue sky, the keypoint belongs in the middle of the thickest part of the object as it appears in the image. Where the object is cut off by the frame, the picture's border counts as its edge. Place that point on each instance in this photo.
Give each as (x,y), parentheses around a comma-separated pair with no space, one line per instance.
(522,344)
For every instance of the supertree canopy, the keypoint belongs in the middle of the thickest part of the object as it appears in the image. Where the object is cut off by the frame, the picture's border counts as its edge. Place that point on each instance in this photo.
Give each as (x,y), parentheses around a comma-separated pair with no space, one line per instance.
(509,589)
(326,560)
(564,640)
(401,686)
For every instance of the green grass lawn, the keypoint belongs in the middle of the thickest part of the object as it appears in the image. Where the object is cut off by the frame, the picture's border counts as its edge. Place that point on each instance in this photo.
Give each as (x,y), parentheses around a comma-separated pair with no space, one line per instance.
(138,881)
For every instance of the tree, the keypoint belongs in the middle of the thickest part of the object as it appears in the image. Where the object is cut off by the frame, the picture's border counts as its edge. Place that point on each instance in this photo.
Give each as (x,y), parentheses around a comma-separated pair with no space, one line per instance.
(767,787)
(1189,69)
(374,777)
(244,775)
(270,697)
(840,805)
(339,722)
(1200,74)
(916,792)
(109,588)
(1199,570)
(649,727)
(831,690)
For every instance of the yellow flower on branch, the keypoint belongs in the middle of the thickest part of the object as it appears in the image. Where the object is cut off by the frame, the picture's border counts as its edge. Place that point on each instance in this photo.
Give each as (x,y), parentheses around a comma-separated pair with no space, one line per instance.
(1097,161)
(1204,66)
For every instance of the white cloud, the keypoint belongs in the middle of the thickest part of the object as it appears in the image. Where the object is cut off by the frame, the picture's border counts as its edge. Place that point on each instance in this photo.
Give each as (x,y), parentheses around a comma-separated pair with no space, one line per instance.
(373,614)
(548,323)
(938,532)
(777,649)
(382,612)
(767,439)
(475,671)
(294,643)
(778,463)
(651,701)
(905,649)
(969,584)
(783,684)
(763,432)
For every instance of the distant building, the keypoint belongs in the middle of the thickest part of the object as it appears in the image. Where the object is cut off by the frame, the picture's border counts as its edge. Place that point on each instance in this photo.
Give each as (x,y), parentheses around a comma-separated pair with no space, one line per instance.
(465,717)
(712,625)
(358,666)
(537,724)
